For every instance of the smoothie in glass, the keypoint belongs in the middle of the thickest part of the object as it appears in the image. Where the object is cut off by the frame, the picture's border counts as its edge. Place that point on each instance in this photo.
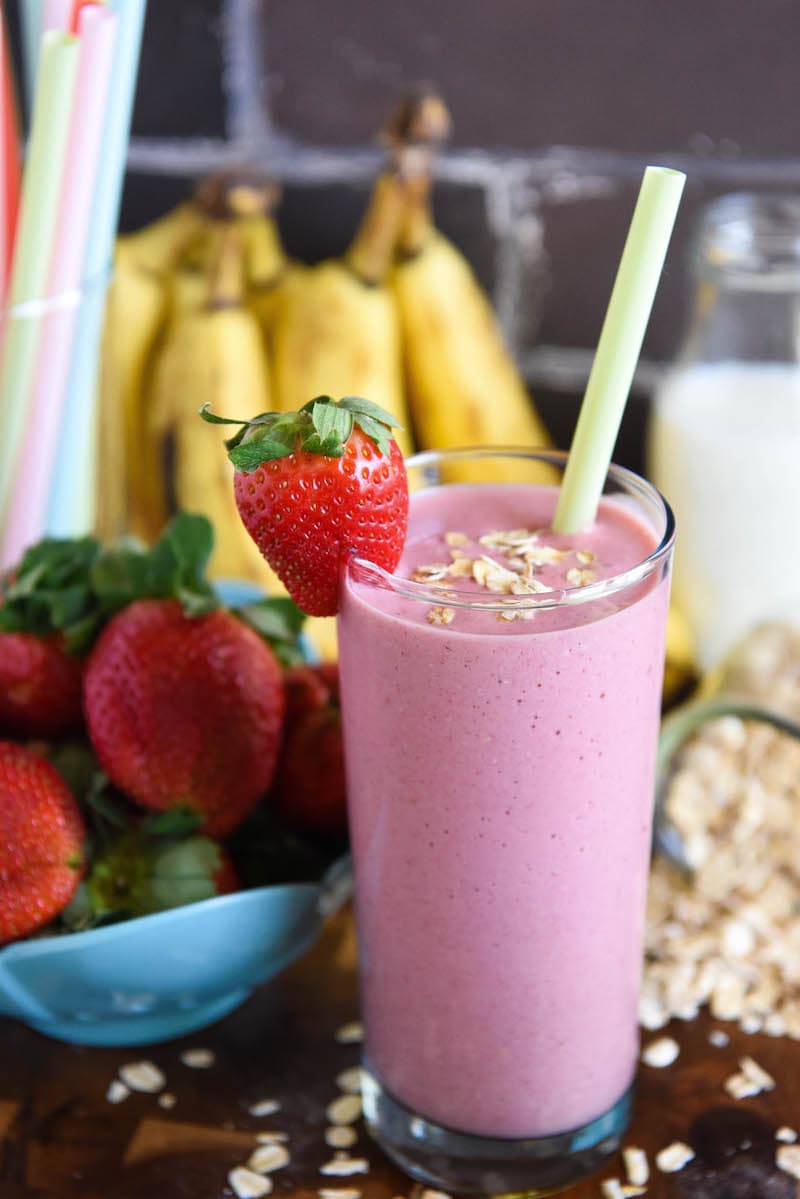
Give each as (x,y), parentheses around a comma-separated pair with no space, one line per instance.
(501,697)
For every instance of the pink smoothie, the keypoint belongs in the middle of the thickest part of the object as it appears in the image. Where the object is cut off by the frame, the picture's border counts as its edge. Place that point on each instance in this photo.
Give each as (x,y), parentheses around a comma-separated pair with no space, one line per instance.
(500,778)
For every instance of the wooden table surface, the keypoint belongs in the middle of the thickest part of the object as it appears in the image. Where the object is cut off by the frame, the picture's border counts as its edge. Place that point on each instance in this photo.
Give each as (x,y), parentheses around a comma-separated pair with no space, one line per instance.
(59,1135)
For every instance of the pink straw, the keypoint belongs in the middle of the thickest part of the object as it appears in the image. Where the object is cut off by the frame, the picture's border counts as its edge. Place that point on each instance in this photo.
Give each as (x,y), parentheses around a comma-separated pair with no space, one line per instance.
(57,14)
(28,502)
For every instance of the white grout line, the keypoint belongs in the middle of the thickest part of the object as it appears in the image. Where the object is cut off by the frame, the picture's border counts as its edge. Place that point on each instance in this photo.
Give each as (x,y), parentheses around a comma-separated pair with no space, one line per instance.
(566,368)
(245,74)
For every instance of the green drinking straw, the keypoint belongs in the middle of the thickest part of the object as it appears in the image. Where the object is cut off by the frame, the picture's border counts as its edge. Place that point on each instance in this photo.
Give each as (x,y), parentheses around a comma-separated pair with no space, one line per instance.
(618,348)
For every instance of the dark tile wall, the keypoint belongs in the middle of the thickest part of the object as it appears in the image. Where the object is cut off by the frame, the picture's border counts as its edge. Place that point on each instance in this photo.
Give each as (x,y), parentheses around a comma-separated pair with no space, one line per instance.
(557,107)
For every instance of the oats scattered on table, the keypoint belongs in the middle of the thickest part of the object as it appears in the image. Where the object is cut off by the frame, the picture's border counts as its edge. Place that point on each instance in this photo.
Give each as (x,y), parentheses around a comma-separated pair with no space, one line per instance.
(427,1193)
(750,1025)
(143,1076)
(637,1168)
(167,1100)
(351,1033)
(718,1038)
(344,1110)
(268,1157)
(611,1188)
(788,1159)
(674,1157)
(338,1193)
(786,1134)
(661,1053)
(264,1107)
(198,1059)
(246,1184)
(349,1081)
(271,1135)
(340,1136)
(341,1167)
(751,1080)
(117,1091)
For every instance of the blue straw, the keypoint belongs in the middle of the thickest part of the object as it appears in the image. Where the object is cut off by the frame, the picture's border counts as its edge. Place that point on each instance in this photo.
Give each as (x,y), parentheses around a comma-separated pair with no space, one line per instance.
(71,504)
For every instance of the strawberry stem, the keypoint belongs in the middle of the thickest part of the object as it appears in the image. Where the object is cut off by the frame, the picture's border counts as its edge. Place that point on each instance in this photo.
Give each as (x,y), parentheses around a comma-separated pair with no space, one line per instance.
(322,426)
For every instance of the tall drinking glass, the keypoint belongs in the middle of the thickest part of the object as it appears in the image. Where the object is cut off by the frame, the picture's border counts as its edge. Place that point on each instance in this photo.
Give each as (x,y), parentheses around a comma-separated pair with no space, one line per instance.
(501,703)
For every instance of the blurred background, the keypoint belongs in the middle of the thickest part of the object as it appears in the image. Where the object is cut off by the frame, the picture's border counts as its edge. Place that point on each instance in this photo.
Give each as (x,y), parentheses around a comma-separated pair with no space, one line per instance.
(557,105)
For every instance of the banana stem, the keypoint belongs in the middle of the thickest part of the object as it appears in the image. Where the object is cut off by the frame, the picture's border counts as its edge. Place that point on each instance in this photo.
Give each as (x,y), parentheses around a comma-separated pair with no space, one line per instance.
(266,259)
(227,276)
(372,251)
(418,227)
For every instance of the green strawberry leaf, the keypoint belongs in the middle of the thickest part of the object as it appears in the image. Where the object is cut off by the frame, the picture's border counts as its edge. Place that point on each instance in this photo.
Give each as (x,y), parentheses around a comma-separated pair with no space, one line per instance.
(175,822)
(332,423)
(249,455)
(377,431)
(279,621)
(360,407)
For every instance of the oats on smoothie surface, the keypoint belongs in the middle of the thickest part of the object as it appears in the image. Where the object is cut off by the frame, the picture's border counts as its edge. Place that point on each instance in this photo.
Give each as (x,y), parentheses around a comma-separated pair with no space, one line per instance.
(440,615)
(585,557)
(431,573)
(455,539)
(577,577)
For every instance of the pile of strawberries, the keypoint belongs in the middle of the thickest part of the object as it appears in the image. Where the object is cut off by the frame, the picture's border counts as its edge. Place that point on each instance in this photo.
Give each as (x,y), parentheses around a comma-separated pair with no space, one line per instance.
(191,729)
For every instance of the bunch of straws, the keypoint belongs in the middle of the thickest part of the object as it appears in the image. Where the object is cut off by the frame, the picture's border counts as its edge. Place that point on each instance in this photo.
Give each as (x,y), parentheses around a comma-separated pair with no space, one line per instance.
(58,219)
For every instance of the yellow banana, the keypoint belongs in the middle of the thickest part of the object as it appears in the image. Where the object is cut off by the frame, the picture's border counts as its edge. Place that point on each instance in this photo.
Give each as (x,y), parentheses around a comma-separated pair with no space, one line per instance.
(336,330)
(136,305)
(212,353)
(464,388)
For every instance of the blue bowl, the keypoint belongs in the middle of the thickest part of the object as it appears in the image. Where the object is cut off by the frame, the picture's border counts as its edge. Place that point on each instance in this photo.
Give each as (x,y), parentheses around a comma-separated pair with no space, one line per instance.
(158,977)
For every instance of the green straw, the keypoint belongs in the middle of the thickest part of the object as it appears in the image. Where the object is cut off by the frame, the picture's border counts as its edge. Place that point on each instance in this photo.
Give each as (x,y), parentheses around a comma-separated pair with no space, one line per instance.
(618,348)
(37,228)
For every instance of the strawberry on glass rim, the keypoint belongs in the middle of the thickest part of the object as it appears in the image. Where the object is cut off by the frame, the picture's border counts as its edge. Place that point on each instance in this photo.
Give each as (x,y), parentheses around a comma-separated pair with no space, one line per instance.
(315,485)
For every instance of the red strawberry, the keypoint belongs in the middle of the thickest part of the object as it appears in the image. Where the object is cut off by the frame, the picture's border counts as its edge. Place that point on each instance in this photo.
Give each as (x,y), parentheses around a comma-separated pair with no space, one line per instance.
(41,842)
(40,686)
(310,789)
(308,688)
(314,485)
(185,711)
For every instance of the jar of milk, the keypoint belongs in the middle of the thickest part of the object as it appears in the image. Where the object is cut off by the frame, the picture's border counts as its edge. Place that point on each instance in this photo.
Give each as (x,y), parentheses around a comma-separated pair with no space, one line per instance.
(724,438)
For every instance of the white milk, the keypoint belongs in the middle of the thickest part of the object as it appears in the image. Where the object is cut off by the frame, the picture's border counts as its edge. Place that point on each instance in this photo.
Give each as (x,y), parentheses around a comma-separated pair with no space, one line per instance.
(724,448)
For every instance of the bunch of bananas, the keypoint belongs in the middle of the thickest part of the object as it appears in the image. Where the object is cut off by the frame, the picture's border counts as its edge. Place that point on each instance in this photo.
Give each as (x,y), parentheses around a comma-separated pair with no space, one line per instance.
(206,307)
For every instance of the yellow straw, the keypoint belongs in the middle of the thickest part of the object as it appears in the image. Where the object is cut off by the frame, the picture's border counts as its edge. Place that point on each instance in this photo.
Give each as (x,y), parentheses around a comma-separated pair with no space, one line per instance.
(618,348)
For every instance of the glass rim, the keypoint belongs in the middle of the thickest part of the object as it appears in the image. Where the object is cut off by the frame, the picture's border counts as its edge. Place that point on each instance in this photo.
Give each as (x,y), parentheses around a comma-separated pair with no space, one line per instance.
(68,297)
(370,572)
